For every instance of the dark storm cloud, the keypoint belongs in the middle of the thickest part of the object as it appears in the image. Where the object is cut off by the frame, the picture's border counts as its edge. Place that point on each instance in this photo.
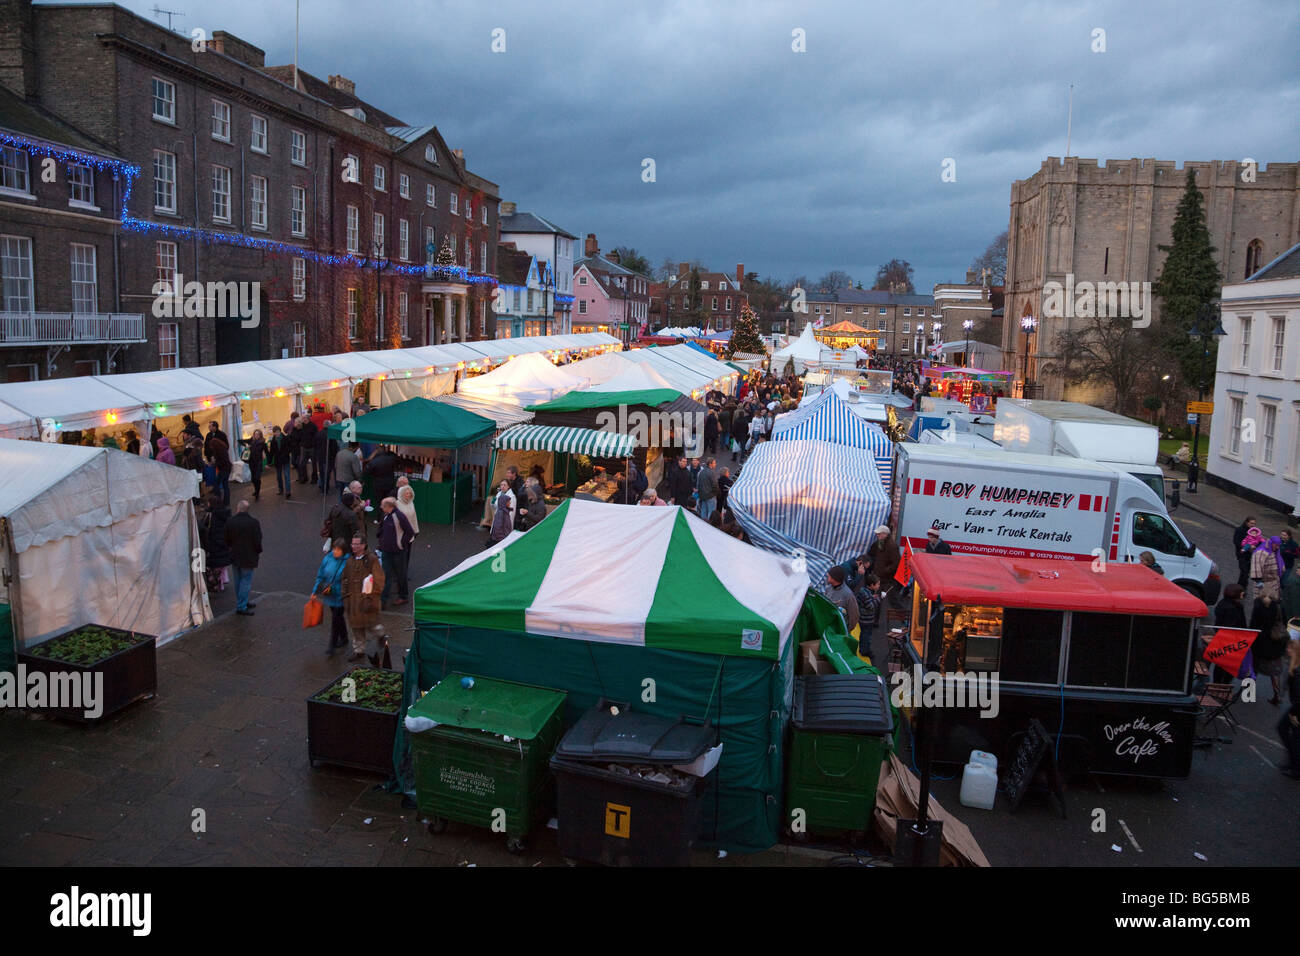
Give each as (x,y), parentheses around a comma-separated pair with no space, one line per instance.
(798,162)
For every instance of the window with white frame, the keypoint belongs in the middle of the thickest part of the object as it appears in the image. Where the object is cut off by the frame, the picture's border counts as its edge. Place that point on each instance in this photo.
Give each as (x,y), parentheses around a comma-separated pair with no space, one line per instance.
(381,312)
(483,213)
(1267,433)
(881,326)
(582,279)
(482,256)
(258,201)
(519,299)
(582,306)
(1237,409)
(221,193)
(165,263)
(404,240)
(1295,446)
(469,209)
(257,139)
(379,235)
(907,311)
(381,178)
(299,278)
(905,328)
(920,312)
(1244,355)
(728,305)
(169,345)
(705,285)
(452,241)
(429,245)
(354,230)
(452,202)
(714,306)
(297,148)
(469,254)
(14,176)
(848,310)
(906,346)
(482,317)
(430,195)
(81,186)
(298,210)
(299,349)
(354,311)
(164,181)
(221,121)
(1279,340)
(430,154)
(84,297)
(882,310)
(164,101)
(16,267)
(404,185)
(403,313)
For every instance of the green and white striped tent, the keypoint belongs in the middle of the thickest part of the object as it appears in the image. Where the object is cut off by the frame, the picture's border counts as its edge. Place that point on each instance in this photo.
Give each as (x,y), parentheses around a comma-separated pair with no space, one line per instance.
(577,441)
(651,607)
(674,582)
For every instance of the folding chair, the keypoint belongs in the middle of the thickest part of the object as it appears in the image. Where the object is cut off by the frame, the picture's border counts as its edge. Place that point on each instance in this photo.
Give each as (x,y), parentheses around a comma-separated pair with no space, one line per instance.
(1216,703)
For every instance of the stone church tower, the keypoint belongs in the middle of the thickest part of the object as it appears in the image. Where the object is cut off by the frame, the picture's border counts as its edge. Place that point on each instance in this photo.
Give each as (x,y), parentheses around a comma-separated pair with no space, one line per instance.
(1105,222)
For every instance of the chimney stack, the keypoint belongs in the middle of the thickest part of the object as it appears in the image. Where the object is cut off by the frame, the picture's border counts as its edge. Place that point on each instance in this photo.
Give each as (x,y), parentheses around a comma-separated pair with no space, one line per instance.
(614,257)
(343,84)
(740,275)
(970,276)
(460,156)
(18,48)
(683,269)
(507,209)
(589,248)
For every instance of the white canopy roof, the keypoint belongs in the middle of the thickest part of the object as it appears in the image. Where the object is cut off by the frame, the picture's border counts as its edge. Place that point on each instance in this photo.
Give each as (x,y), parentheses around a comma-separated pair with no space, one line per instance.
(15,423)
(254,379)
(353,364)
(73,404)
(526,380)
(634,378)
(396,361)
(684,379)
(50,491)
(309,371)
(503,413)
(600,368)
(449,355)
(805,350)
(176,391)
(693,358)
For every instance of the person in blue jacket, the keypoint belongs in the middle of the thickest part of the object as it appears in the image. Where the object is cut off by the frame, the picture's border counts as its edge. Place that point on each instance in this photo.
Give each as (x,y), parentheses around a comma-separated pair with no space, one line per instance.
(329,588)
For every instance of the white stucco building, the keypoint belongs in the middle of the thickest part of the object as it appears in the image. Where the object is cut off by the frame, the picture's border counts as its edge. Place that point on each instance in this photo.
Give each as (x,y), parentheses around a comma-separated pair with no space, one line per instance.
(1255,431)
(548,243)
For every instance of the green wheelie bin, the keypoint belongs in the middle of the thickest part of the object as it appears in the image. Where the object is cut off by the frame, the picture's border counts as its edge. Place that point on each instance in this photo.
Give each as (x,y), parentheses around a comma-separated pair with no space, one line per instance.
(485,760)
(841,728)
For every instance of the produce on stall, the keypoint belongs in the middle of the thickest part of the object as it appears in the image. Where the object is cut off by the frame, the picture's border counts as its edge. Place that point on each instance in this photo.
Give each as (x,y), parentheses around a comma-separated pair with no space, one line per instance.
(554,448)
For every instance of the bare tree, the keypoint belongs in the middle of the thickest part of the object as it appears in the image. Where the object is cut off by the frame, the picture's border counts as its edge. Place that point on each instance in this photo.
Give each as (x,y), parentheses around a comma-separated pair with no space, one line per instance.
(1104,351)
(895,276)
(834,280)
(994,258)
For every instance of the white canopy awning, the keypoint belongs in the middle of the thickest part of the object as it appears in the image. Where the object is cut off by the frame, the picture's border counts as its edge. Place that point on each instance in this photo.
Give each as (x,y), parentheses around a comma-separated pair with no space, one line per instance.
(176,391)
(74,404)
(249,379)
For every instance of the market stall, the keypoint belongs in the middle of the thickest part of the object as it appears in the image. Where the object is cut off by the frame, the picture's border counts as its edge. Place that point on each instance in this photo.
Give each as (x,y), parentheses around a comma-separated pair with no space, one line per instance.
(477,458)
(1102,661)
(70,411)
(688,381)
(356,372)
(805,352)
(712,619)
(443,492)
(266,397)
(168,396)
(97,536)
(406,374)
(317,382)
(568,458)
(717,375)
(809,497)
(830,418)
(526,379)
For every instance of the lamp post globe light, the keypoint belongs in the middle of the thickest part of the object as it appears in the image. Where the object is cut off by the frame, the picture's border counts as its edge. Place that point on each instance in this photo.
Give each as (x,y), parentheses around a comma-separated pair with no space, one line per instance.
(968,324)
(935,329)
(1030,325)
(1206,327)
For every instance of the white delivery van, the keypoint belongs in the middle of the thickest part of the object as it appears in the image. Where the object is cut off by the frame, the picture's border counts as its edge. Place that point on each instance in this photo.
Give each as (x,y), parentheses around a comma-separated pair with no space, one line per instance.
(1072,428)
(1040,506)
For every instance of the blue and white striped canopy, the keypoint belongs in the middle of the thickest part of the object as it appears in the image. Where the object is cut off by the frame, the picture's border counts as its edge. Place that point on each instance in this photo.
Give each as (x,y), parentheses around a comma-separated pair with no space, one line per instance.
(812,497)
(829,418)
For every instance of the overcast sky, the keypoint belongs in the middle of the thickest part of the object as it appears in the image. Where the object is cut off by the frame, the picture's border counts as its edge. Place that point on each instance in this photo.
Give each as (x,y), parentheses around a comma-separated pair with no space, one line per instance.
(798,163)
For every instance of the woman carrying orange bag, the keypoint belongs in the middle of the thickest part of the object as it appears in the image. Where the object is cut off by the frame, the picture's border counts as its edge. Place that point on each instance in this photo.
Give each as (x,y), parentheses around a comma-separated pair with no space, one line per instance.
(329,590)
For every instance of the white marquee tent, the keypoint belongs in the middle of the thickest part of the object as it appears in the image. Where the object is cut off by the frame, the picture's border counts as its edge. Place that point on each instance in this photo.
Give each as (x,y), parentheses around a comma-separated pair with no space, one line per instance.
(526,380)
(805,350)
(98,536)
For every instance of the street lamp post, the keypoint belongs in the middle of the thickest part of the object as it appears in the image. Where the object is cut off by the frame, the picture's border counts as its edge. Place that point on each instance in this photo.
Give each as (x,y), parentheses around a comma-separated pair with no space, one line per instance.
(1206,327)
(1030,324)
(935,329)
(968,324)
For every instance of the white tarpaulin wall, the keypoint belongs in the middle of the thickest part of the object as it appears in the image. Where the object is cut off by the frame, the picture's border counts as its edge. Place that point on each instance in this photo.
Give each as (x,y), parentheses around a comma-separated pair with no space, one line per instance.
(685,380)
(599,368)
(15,423)
(399,389)
(99,537)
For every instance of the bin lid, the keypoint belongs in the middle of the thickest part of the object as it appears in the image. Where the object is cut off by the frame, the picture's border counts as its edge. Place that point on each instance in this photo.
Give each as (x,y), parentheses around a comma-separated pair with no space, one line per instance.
(494,706)
(633,737)
(848,703)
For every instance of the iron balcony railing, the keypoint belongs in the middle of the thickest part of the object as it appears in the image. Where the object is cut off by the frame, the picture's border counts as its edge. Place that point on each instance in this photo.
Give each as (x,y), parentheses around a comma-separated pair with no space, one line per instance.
(70,328)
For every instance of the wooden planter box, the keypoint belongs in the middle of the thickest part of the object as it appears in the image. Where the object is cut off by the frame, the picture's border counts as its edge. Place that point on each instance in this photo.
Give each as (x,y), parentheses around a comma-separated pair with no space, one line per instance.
(129,675)
(350,735)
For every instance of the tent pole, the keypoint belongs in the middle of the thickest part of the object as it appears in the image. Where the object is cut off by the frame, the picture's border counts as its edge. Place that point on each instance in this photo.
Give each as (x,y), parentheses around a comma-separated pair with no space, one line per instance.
(455,476)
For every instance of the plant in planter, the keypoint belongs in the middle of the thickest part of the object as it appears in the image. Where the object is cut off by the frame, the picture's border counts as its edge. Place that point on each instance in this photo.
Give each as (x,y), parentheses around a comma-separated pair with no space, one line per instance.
(352,720)
(126,660)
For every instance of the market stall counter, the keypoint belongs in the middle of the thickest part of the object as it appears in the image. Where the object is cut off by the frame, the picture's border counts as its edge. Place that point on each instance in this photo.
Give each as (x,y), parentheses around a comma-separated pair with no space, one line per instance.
(1103,661)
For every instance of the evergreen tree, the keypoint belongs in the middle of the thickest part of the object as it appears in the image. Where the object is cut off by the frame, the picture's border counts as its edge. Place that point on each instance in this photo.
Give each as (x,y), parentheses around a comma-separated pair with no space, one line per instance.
(1188,281)
(745,336)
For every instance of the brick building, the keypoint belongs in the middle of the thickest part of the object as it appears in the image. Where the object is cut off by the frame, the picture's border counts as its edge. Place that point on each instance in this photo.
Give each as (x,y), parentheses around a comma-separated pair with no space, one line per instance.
(903,322)
(721,299)
(1105,223)
(609,297)
(257,174)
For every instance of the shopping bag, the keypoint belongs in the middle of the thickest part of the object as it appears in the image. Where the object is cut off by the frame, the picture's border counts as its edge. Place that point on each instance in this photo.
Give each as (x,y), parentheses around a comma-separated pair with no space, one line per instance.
(313,612)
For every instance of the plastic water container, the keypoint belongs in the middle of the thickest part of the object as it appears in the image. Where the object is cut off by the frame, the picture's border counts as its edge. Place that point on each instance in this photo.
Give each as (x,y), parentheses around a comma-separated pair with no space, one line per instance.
(979,781)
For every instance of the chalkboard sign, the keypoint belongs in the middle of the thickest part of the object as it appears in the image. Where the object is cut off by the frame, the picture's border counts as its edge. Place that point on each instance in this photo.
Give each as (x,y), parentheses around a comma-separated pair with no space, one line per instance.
(1035,745)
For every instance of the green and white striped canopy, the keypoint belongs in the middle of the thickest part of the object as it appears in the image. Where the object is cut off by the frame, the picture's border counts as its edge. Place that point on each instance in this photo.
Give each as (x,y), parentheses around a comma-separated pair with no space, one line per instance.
(673,582)
(578,441)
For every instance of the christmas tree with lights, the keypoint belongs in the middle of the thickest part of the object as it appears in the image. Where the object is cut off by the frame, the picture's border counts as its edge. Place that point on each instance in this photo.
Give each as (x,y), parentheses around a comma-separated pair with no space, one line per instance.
(745,336)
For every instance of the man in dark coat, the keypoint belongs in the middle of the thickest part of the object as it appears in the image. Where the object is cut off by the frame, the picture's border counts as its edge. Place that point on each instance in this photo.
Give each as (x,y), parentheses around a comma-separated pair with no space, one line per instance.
(934,544)
(306,449)
(1243,558)
(739,429)
(279,451)
(680,485)
(383,474)
(214,434)
(244,538)
(884,557)
(1229,612)
(711,433)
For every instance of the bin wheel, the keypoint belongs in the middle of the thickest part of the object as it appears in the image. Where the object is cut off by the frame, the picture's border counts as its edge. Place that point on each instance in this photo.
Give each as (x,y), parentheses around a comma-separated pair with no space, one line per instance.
(516,846)
(438,825)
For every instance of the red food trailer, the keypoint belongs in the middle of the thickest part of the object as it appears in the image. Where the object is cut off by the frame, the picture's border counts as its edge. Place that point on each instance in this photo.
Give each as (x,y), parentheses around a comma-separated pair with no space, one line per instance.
(1103,658)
